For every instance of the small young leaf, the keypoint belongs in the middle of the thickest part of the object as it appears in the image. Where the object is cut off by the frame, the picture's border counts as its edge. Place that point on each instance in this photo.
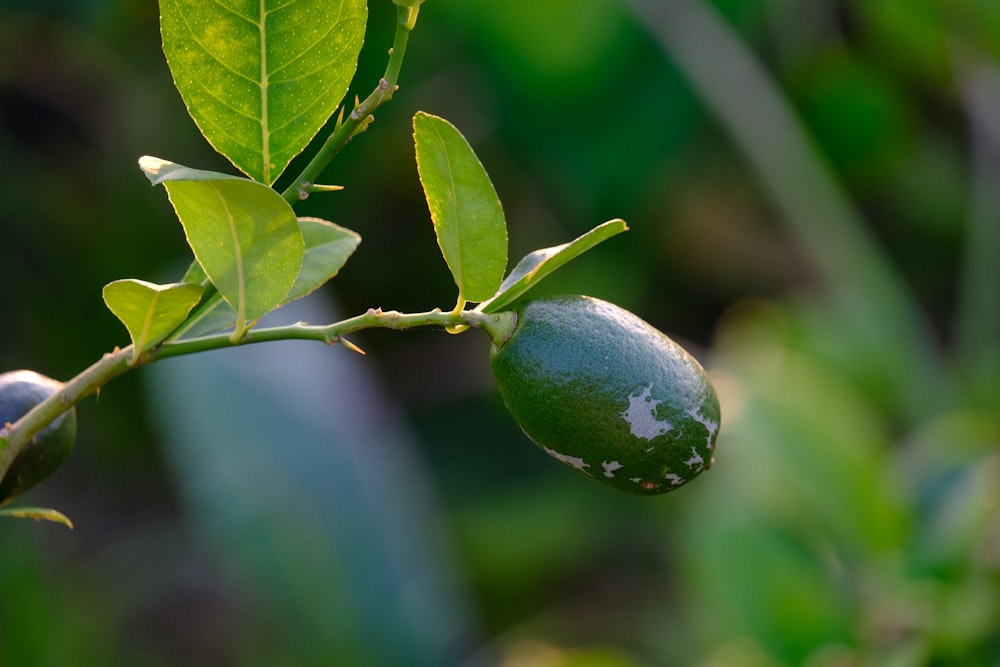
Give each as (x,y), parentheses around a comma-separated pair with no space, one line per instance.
(468,218)
(540,263)
(38,514)
(243,234)
(327,249)
(150,312)
(261,78)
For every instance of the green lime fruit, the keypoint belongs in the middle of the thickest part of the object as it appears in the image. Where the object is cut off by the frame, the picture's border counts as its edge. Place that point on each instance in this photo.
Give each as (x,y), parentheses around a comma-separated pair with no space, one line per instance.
(20,391)
(608,394)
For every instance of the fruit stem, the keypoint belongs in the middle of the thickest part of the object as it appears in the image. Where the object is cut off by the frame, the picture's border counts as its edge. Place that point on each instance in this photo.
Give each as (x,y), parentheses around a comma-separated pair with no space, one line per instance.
(500,326)
(14,438)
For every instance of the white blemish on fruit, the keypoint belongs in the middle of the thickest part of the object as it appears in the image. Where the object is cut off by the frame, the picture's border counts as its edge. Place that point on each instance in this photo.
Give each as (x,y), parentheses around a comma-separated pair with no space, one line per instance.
(695,459)
(710,425)
(610,467)
(641,416)
(574,461)
(674,479)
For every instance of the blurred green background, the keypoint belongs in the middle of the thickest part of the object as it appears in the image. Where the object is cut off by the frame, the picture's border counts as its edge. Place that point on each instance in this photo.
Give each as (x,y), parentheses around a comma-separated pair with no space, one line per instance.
(813,190)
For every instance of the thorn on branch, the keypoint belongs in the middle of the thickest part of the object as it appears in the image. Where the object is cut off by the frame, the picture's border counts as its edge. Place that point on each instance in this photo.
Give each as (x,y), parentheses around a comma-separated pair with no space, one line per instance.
(346,343)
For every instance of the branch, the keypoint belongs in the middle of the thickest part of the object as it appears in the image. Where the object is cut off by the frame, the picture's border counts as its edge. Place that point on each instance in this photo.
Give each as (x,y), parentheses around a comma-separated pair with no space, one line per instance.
(359,119)
(113,364)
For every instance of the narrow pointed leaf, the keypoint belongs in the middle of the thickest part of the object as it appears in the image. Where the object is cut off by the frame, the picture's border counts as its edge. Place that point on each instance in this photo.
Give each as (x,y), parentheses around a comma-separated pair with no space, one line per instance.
(540,263)
(327,249)
(261,78)
(150,312)
(244,235)
(38,514)
(468,218)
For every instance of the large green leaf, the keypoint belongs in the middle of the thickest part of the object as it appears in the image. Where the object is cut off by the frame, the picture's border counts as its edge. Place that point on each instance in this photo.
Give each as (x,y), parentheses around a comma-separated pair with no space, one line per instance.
(244,234)
(468,218)
(260,78)
(540,263)
(327,249)
(150,312)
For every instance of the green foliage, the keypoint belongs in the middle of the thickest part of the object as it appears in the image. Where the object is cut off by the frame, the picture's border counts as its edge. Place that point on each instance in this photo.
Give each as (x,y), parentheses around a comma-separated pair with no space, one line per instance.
(252,253)
(536,265)
(244,235)
(150,312)
(851,515)
(327,249)
(468,218)
(261,79)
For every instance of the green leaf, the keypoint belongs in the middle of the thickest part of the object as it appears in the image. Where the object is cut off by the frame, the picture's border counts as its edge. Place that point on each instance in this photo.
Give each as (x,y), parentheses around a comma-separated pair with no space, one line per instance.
(540,263)
(243,234)
(261,78)
(327,249)
(150,312)
(38,514)
(468,218)
(160,171)
(196,274)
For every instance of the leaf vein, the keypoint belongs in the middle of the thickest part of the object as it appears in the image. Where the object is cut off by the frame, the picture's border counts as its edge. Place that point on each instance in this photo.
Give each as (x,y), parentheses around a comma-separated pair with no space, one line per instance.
(334,25)
(232,11)
(226,66)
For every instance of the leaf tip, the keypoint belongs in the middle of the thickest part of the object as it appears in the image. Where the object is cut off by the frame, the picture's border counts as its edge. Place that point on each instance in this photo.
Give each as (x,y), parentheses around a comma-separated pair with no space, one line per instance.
(38,514)
(153,167)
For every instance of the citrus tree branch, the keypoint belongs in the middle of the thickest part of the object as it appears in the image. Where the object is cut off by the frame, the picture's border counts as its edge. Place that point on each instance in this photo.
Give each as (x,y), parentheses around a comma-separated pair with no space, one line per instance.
(15,437)
(359,119)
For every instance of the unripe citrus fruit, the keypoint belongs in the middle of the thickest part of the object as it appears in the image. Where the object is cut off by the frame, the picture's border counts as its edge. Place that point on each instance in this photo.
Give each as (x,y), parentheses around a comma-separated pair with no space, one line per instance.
(603,391)
(19,392)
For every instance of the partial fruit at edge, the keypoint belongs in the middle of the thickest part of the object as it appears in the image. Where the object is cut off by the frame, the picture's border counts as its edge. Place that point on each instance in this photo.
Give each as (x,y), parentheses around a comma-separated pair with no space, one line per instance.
(608,394)
(20,391)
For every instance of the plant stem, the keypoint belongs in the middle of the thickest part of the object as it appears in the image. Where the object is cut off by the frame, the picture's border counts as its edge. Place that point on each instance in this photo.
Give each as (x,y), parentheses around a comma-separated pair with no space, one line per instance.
(359,119)
(113,364)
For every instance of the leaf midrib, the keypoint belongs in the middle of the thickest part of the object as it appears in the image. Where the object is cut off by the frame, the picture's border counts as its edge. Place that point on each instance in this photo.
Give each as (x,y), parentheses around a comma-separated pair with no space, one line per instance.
(241,309)
(453,205)
(265,148)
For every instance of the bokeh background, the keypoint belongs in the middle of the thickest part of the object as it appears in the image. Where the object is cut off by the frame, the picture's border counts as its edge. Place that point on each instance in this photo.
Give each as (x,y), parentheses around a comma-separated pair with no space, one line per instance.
(813,191)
